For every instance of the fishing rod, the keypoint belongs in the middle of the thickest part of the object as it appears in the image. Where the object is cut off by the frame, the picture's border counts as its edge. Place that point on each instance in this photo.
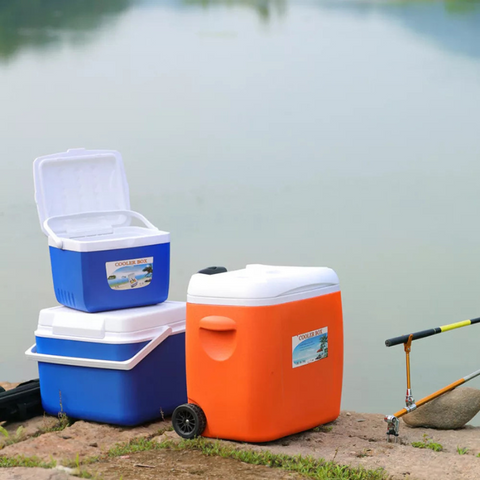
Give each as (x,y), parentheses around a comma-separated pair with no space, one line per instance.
(391,342)
(410,405)
(393,420)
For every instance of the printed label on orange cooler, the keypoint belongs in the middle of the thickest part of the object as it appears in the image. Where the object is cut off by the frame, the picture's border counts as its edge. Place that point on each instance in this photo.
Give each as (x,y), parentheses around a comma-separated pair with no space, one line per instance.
(309,347)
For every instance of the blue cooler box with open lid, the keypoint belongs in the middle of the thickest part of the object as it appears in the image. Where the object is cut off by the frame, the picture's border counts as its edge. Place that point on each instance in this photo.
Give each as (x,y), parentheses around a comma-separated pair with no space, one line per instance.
(100,259)
(124,367)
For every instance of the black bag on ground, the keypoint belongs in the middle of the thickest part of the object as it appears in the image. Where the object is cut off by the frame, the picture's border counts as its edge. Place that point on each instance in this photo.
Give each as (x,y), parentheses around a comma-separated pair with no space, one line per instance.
(21,403)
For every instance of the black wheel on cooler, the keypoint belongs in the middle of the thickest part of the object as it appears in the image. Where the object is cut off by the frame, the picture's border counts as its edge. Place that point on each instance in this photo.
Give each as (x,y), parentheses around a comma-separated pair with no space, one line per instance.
(189,421)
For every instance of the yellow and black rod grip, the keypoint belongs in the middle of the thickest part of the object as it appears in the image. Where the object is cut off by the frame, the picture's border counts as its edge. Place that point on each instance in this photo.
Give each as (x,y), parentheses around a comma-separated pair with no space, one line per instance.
(428,333)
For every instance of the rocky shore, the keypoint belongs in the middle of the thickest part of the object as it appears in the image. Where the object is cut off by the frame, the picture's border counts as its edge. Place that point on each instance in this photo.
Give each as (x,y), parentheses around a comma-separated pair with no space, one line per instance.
(353,439)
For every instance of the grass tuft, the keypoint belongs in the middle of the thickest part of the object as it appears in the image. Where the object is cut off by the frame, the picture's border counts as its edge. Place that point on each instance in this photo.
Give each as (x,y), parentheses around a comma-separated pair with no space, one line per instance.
(11,439)
(83,474)
(323,428)
(62,424)
(307,466)
(20,461)
(427,443)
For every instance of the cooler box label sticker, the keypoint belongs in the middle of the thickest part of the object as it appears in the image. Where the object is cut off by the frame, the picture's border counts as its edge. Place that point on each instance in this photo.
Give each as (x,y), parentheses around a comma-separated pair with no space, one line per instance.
(309,347)
(128,274)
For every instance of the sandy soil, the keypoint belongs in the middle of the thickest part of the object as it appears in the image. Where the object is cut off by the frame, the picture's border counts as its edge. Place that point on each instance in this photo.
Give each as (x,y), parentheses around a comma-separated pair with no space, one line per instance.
(353,439)
(359,439)
(168,464)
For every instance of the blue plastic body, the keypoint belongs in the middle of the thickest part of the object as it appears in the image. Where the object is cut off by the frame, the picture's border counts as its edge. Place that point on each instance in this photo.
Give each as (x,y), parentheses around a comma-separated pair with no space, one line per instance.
(155,387)
(80,278)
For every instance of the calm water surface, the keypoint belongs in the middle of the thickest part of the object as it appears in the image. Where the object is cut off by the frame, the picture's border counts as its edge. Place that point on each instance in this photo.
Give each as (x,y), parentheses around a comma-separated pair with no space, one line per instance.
(341,134)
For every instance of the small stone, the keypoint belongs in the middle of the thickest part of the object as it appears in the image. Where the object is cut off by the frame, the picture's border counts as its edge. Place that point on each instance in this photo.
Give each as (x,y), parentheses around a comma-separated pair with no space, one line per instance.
(361,420)
(95,445)
(348,414)
(69,470)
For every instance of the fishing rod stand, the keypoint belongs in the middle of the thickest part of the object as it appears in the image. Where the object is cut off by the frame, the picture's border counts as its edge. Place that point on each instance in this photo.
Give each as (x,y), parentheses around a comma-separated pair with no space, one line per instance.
(393,423)
(407,346)
(410,405)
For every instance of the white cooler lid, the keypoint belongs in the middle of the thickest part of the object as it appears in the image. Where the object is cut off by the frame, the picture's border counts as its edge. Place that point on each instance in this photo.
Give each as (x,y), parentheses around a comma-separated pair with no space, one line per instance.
(130,325)
(261,285)
(83,202)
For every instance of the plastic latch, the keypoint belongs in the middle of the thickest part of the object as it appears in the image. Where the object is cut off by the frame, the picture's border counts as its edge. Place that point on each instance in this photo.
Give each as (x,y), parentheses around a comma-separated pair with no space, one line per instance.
(212,270)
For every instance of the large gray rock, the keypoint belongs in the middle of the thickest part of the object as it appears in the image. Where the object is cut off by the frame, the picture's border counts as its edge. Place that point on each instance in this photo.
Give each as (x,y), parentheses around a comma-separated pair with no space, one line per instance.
(450,411)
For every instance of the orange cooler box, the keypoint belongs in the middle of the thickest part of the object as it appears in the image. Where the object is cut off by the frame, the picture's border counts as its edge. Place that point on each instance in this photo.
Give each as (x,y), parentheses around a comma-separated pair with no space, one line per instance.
(264,353)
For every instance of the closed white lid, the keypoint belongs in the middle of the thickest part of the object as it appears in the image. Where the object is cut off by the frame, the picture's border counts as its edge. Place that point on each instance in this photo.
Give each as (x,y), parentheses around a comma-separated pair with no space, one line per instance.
(84,205)
(118,326)
(78,181)
(262,285)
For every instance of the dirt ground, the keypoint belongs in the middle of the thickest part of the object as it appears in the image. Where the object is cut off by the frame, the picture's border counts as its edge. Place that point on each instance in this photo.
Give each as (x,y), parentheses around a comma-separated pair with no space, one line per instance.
(170,464)
(353,439)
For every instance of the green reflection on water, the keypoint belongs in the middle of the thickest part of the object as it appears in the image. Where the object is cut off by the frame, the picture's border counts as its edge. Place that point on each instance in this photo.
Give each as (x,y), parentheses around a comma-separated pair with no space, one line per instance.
(41,23)
(462,6)
(265,8)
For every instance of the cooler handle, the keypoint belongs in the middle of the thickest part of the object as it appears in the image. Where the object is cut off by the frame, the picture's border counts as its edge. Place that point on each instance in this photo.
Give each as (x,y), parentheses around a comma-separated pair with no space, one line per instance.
(59,242)
(218,324)
(165,332)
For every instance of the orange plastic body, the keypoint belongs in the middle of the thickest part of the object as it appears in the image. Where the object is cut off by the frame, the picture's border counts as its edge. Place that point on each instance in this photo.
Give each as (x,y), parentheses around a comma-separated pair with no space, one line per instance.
(240,368)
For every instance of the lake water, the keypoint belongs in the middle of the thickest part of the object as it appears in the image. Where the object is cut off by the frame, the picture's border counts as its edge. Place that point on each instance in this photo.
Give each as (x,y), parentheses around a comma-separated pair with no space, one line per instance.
(325,133)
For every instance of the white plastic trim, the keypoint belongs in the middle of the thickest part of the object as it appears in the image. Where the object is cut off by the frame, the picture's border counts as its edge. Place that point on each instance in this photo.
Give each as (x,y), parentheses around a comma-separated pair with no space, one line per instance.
(59,242)
(62,179)
(129,325)
(111,338)
(32,354)
(263,302)
(257,282)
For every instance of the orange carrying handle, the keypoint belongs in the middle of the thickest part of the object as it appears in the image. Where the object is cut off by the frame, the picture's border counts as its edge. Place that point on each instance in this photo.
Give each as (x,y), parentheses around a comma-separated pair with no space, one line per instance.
(218,324)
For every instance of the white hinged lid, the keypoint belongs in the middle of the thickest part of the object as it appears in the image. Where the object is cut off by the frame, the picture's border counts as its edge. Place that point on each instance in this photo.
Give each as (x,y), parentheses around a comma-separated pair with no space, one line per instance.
(78,181)
(262,285)
(118,326)
(84,205)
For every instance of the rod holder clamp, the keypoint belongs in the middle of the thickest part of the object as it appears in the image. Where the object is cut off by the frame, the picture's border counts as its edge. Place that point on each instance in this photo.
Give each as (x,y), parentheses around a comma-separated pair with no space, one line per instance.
(409,400)
(393,427)
(407,346)
(410,408)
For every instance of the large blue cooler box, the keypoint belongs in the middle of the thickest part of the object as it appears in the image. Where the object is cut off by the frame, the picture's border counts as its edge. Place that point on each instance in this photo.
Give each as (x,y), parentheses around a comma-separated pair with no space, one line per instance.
(100,259)
(124,367)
